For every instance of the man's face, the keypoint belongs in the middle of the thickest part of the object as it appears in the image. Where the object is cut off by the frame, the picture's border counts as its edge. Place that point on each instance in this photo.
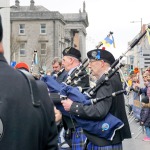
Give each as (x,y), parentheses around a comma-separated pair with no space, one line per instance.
(145,77)
(67,62)
(96,68)
(56,67)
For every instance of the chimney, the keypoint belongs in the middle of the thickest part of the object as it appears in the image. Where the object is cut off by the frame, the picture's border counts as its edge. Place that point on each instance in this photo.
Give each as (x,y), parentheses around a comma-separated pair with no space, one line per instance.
(32,4)
(17,3)
(84,7)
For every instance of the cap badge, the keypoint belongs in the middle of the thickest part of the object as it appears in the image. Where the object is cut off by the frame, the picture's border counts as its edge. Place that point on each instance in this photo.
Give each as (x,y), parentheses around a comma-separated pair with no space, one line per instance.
(94,53)
(98,56)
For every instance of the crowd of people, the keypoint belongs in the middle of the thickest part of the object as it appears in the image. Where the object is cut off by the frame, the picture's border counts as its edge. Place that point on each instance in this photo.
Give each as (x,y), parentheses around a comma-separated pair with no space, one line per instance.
(31,119)
(138,98)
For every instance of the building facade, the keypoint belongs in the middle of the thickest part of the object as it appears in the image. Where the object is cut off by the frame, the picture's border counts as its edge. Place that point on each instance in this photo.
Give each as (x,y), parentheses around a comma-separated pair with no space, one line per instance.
(48,32)
(139,55)
(5,15)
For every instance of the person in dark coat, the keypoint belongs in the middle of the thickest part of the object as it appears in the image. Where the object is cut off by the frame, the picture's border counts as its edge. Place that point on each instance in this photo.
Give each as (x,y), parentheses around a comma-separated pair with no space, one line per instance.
(60,75)
(24,126)
(58,69)
(99,63)
(71,60)
(145,118)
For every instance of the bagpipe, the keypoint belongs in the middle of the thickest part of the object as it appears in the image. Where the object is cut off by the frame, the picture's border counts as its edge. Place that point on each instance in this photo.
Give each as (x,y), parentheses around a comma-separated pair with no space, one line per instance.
(59,73)
(73,79)
(105,77)
(107,127)
(75,74)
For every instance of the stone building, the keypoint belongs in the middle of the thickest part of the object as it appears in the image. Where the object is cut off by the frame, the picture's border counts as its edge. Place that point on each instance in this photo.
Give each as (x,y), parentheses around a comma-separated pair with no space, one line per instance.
(48,32)
(139,55)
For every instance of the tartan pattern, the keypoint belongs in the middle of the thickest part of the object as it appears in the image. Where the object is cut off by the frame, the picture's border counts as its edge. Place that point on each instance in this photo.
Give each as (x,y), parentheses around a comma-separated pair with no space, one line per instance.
(78,139)
(91,146)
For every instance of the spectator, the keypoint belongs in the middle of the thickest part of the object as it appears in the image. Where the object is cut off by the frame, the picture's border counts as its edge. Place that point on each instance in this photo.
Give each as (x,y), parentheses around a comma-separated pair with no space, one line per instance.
(24,126)
(57,67)
(145,118)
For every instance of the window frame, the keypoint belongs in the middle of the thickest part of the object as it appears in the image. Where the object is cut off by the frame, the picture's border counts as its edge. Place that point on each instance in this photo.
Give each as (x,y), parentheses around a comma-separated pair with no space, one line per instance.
(22,29)
(42,29)
(22,49)
(43,48)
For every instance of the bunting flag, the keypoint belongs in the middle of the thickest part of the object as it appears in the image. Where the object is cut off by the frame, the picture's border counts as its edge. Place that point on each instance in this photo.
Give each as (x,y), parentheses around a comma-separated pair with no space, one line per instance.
(148,35)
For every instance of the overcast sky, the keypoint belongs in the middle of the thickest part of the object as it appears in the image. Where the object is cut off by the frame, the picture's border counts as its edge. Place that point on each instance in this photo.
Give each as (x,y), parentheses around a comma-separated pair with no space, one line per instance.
(104,16)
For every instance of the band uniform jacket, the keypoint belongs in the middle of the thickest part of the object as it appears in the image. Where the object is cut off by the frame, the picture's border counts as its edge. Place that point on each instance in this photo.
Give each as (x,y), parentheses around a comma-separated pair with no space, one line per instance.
(67,122)
(23,126)
(113,105)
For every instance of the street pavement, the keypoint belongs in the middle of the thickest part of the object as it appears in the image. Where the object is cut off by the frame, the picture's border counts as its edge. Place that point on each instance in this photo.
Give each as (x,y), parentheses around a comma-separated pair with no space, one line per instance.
(136,142)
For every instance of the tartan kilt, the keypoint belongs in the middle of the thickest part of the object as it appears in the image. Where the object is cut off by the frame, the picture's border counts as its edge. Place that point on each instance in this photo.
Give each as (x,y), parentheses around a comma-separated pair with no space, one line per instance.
(91,146)
(78,139)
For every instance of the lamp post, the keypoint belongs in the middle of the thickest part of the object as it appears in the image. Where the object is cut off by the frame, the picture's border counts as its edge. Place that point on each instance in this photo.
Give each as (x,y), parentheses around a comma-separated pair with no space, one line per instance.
(138,55)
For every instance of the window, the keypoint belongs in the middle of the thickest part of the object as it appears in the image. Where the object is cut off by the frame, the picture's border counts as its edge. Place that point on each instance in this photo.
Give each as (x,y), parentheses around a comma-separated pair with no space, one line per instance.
(22,29)
(146,58)
(146,54)
(43,29)
(131,60)
(43,48)
(147,62)
(22,49)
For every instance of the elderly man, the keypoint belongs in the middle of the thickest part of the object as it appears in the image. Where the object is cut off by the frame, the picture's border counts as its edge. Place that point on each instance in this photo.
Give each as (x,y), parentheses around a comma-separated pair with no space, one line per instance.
(74,134)
(99,63)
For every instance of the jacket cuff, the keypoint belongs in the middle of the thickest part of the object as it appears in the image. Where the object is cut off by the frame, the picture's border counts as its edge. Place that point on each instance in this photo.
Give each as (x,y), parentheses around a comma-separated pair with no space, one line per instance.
(75,108)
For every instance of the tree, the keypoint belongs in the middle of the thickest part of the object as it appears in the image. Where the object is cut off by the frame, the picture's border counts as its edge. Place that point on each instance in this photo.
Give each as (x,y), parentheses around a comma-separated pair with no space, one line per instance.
(14,48)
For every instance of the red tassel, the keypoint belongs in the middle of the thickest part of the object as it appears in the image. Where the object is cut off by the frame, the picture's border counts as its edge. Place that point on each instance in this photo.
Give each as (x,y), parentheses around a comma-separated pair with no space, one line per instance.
(103,48)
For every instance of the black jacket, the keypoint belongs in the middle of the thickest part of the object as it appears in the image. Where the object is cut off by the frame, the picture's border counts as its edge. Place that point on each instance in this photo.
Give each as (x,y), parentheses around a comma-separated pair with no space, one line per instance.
(113,105)
(25,127)
(145,116)
(67,121)
(61,77)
